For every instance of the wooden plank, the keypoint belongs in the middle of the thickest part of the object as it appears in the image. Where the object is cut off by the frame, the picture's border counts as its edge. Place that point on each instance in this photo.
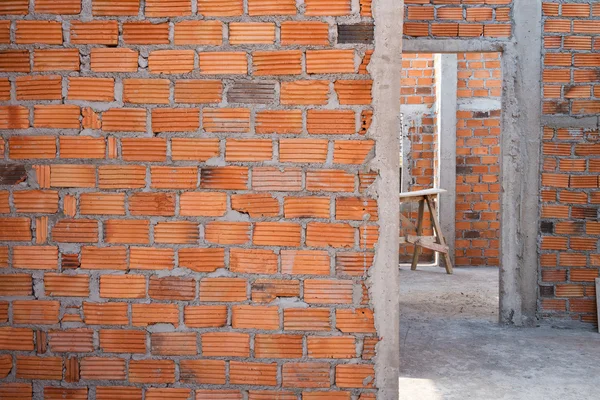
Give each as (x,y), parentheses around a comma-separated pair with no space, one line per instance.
(407,222)
(417,251)
(439,233)
(412,238)
(429,242)
(426,192)
(411,199)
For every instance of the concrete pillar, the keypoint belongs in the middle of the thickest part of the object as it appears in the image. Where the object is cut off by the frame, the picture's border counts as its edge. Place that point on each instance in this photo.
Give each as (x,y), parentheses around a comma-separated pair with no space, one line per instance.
(446,84)
(405,148)
(520,147)
(384,280)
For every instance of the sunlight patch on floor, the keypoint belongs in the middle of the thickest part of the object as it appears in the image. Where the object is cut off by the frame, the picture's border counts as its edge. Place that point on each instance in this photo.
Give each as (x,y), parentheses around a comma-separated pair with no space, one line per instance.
(414,388)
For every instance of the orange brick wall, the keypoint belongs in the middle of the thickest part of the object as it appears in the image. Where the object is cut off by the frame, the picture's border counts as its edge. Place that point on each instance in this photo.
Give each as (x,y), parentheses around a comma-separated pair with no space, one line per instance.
(182,200)
(477,160)
(571,58)
(570,183)
(458,18)
(418,88)
(569,258)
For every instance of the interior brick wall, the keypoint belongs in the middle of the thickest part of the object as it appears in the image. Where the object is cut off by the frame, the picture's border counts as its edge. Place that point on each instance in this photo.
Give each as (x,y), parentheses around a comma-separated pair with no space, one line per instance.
(477,160)
(418,88)
(184,198)
(569,258)
(570,199)
(571,58)
(458,18)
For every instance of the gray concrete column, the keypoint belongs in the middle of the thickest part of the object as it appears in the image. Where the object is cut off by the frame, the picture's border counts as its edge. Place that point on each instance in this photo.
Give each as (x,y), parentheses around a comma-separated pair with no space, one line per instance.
(384,279)
(520,159)
(446,85)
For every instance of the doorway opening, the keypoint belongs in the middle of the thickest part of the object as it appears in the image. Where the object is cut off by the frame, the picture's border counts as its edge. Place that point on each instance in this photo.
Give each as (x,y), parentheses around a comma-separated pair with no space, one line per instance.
(451,127)
(451,108)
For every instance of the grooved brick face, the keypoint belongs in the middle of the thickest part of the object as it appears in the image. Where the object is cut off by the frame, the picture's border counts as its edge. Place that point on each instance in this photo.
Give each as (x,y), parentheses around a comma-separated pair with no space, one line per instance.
(569,228)
(94,32)
(17,284)
(571,59)
(256,205)
(145,32)
(66,7)
(304,33)
(180,200)
(462,19)
(251,33)
(5,32)
(171,61)
(279,121)
(198,32)
(46,32)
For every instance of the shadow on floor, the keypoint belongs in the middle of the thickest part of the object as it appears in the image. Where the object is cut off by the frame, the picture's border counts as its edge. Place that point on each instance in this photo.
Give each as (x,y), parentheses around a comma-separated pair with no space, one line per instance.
(453,349)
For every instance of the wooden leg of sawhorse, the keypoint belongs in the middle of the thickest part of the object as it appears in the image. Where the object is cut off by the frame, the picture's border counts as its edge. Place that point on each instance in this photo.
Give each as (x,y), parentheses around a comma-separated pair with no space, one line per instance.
(417,251)
(439,234)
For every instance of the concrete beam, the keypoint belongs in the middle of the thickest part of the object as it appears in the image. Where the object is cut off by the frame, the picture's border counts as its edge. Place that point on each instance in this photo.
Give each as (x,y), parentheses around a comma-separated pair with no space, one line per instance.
(559,121)
(479,104)
(446,84)
(520,165)
(384,279)
(478,45)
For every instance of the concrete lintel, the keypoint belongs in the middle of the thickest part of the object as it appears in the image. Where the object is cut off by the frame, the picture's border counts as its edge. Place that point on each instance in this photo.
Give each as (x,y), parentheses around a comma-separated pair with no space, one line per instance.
(414,109)
(520,165)
(384,276)
(454,45)
(571,122)
(446,84)
(479,104)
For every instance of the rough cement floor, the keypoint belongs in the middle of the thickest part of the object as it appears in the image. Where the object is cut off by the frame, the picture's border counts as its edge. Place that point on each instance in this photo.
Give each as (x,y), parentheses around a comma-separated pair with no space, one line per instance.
(452,348)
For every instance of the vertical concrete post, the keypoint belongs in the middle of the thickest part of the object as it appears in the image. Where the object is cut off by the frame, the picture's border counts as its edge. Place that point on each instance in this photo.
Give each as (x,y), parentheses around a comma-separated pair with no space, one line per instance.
(385,67)
(405,149)
(446,85)
(598,289)
(520,147)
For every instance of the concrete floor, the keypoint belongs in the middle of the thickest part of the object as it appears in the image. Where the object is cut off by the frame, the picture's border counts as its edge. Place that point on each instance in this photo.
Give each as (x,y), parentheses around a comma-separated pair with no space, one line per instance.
(453,349)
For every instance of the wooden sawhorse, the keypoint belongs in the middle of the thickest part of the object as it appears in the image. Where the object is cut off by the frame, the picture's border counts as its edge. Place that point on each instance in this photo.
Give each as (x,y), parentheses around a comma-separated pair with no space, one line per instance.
(436,243)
